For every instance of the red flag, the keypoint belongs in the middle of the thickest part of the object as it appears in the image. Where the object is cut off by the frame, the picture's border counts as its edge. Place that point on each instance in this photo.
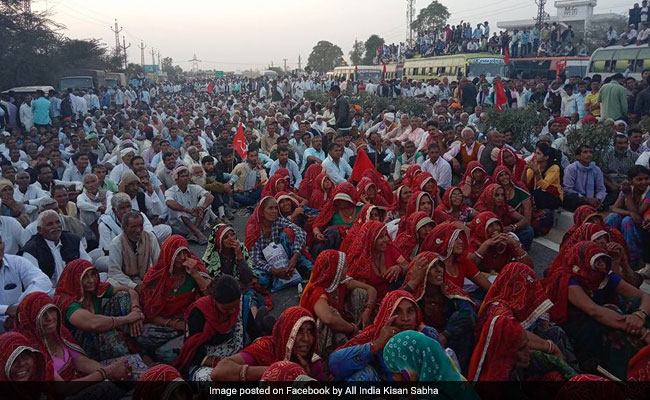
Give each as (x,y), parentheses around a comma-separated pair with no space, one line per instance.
(383,70)
(239,142)
(361,164)
(506,55)
(500,98)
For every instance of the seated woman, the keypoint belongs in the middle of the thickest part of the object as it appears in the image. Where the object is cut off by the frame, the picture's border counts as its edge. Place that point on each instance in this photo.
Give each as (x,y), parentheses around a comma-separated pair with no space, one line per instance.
(374,260)
(411,172)
(517,195)
(99,316)
(218,325)
(321,191)
(226,255)
(162,382)
(21,362)
(368,194)
(174,282)
(418,226)
(493,199)
(279,182)
(362,358)
(582,290)
(451,243)
(40,321)
(588,214)
(515,164)
(284,371)
(398,209)
(543,177)
(264,227)
(294,210)
(426,183)
(490,249)
(453,207)
(335,219)
(444,305)
(383,187)
(339,303)
(367,213)
(294,338)
(629,209)
(473,182)
(307,185)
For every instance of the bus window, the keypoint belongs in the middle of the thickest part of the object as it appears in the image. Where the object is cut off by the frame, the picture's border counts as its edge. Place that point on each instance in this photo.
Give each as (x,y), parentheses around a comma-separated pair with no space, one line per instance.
(601,55)
(430,70)
(643,59)
(599,66)
(623,58)
(415,71)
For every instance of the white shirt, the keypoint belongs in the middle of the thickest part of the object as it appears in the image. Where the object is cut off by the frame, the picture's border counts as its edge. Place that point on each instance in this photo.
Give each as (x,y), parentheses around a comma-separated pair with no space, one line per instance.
(106,234)
(32,196)
(88,208)
(455,147)
(337,172)
(18,278)
(441,171)
(11,232)
(59,264)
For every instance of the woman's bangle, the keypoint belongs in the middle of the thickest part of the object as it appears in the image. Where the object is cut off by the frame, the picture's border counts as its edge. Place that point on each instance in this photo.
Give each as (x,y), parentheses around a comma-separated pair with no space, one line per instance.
(550,347)
(645,334)
(113,320)
(477,254)
(102,371)
(521,257)
(136,306)
(642,311)
(242,372)
(639,315)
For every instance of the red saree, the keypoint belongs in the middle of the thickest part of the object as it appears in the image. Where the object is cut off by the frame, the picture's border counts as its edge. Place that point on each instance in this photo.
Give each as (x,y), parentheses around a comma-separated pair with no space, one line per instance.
(12,344)
(486,202)
(494,355)
(271,187)
(407,239)
(159,382)
(497,257)
(283,371)
(411,172)
(445,209)
(477,187)
(307,184)
(319,196)
(70,289)
(362,190)
(362,218)
(326,278)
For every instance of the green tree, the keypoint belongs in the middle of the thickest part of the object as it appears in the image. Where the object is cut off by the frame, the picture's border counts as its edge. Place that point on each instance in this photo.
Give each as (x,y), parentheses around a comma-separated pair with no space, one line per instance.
(371,45)
(356,54)
(596,34)
(433,16)
(324,56)
(168,67)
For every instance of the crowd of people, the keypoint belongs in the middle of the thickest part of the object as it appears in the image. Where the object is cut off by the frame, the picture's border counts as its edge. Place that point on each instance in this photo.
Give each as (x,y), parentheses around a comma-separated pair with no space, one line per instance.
(407,231)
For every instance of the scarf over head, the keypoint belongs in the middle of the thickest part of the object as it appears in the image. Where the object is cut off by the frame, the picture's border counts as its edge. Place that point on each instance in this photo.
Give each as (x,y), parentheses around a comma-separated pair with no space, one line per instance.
(407,240)
(517,169)
(326,280)
(283,371)
(12,345)
(446,208)
(212,256)
(442,238)
(497,257)
(422,180)
(448,289)
(253,229)
(477,187)
(362,190)
(383,188)
(494,356)
(319,196)
(359,255)
(411,172)
(160,383)
(271,187)
(581,215)
(362,218)
(486,202)
(307,184)
(344,191)
(70,288)
(398,204)
(514,181)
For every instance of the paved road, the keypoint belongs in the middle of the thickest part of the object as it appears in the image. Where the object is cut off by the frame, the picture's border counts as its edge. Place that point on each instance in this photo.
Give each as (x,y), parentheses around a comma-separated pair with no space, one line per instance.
(542,256)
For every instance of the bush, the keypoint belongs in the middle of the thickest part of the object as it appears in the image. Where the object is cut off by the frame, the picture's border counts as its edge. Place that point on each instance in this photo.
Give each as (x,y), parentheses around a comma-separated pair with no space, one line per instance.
(598,136)
(409,105)
(524,123)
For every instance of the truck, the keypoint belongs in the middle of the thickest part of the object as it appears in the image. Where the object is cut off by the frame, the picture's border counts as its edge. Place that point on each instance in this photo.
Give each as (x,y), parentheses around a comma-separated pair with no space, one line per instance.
(115,80)
(83,79)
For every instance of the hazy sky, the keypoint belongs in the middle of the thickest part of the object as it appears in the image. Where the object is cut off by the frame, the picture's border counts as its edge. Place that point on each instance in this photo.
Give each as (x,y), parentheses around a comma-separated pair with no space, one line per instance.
(242,34)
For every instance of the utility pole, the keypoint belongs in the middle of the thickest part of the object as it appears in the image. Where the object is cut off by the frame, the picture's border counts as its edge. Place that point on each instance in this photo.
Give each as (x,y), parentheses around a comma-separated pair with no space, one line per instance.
(410,16)
(27,6)
(159,64)
(195,63)
(285,64)
(153,58)
(541,14)
(124,47)
(142,47)
(117,31)
(299,63)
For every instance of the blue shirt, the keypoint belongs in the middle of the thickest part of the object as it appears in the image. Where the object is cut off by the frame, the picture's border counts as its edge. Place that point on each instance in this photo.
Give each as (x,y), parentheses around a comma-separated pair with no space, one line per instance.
(312,152)
(41,111)
(175,143)
(580,105)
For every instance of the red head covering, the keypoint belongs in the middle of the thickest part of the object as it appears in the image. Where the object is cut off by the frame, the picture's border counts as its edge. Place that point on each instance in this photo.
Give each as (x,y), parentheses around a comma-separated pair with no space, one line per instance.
(30,311)
(516,170)
(12,344)
(411,173)
(498,256)
(362,189)
(486,202)
(397,205)
(578,263)
(494,355)
(407,239)
(253,229)
(386,310)
(638,369)
(157,284)
(445,208)
(360,254)
(271,187)
(581,215)
(307,184)
(70,289)
(449,289)
(469,170)
(343,191)
(326,278)
(421,181)
(383,188)
(279,196)
(516,293)
(150,386)
(502,169)
(442,238)
(279,346)
(362,218)
(283,371)
(414,202)
(220,234)
(319,195)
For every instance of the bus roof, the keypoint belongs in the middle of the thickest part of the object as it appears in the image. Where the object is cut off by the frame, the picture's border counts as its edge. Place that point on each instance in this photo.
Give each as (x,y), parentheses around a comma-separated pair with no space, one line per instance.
(465,55)
(550,59)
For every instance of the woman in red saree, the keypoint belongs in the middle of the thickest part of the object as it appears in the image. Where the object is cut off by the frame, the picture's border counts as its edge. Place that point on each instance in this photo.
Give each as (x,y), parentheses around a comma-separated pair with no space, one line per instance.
(321,191)
(283,371)
(515,164)
(279,182)
(426,183)
(586,299)
(294,338)
(586,213)
(490,249)
(398,209)
(339,304)
(21,362)
(174,282)
(374,260)
(411,172)
(451,243)
(368,193)
(308,182)
(418,226)
(162,382)
(473,182)
(39,320)
(453,207)
(335,219)
(493,199)
(383,188)
(444,305)
(367,213)
(361,359)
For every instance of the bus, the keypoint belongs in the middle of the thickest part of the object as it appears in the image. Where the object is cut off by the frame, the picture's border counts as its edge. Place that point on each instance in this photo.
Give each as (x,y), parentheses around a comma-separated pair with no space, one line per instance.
(454,66)
(607,61)
(394,71)
(547,67)
(364,73)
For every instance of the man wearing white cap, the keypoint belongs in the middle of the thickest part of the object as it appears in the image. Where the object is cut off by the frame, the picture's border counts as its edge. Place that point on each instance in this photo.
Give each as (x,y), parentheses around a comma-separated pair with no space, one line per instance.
(319,125)
(126,155)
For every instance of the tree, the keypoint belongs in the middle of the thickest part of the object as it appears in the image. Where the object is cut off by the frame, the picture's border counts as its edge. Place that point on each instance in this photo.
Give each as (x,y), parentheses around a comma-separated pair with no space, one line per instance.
(356,54)
(433,16)
(324,56)
(168,67)
(371,45)
(596,34)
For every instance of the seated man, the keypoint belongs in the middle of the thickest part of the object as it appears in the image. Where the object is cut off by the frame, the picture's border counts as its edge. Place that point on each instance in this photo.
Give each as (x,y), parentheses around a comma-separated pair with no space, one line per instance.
(164,172)
(188,204)
(217,184)
(284,160)
(52,248)
(92,202)
(9,207)
(28,194)
(147,201)
(18,278)
(132,252)
(105,183)
(248,179)
(69,224)
(583,182)
(336,168)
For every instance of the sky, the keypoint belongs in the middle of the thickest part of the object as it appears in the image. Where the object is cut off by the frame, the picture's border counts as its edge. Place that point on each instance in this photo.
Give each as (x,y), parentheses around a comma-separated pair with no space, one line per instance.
(252,34)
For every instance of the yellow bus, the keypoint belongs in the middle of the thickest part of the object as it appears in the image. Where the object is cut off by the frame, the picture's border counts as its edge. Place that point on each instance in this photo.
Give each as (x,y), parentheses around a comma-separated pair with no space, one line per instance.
(363,73)
(468,65)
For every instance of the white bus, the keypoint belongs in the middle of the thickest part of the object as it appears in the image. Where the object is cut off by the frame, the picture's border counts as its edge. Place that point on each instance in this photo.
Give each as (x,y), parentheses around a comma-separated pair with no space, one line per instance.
(607,61)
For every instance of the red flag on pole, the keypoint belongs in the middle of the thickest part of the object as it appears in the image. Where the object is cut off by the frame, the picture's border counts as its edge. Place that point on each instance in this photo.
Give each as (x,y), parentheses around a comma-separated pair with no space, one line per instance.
(506,55)
(500,98)
(239,142)
(383,70)
(361,164)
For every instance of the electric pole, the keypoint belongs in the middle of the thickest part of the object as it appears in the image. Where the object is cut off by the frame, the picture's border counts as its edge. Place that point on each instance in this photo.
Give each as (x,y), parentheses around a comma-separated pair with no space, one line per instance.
(285,64)
(299,63)
(159,64)
(124,47)
(195,63)
(27,6)
(142,47)
(117,31)
(541,14)
(153,58)
(410,16)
